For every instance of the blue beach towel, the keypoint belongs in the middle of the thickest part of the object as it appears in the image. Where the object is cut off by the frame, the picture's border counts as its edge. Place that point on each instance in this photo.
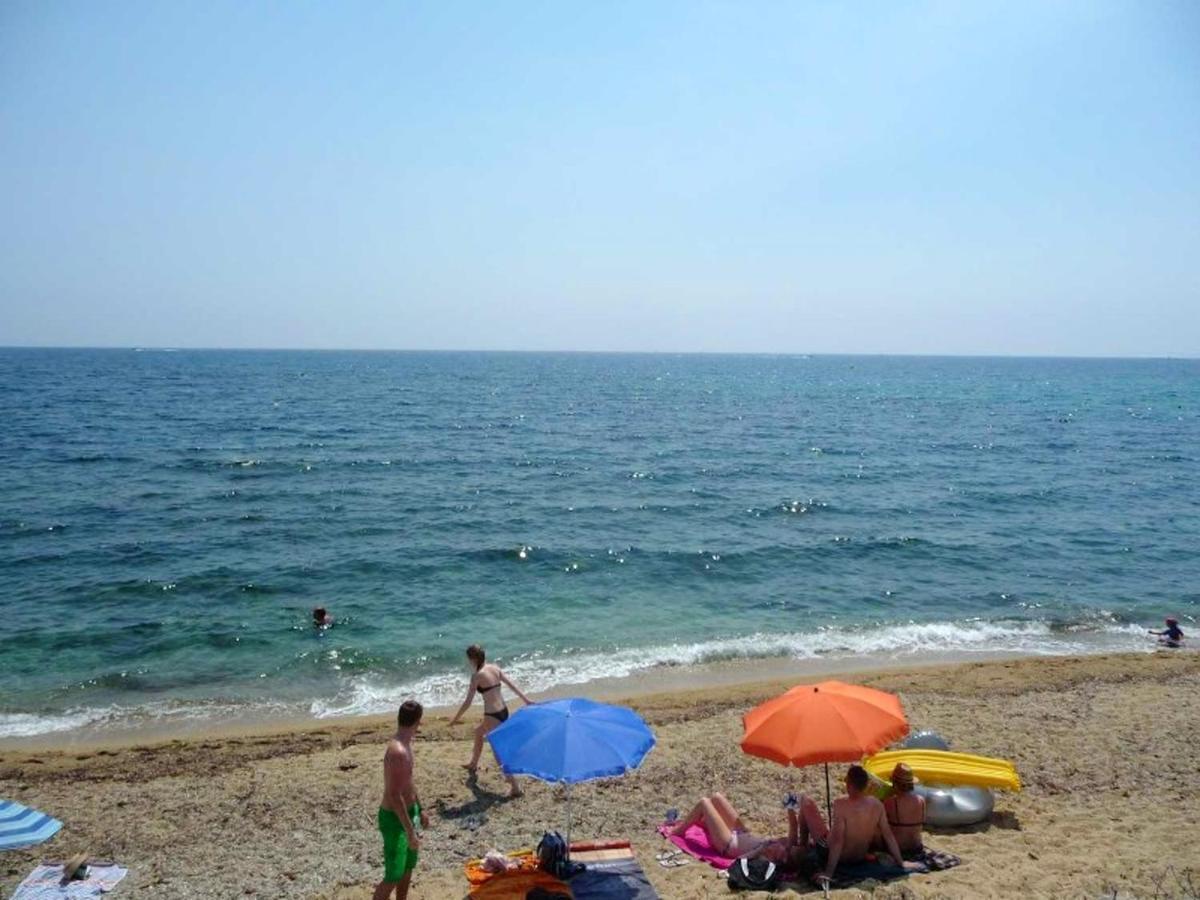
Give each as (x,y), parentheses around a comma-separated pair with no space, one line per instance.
(21,826)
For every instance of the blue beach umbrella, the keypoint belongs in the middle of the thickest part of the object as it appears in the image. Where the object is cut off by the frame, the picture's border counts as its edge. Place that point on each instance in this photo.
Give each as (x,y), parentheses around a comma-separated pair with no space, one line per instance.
(568,741)
(21,826)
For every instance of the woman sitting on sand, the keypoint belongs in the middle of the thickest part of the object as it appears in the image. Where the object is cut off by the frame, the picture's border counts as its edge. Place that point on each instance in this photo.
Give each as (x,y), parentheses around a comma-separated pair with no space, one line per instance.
(486,679)
(905,812)
(730,837)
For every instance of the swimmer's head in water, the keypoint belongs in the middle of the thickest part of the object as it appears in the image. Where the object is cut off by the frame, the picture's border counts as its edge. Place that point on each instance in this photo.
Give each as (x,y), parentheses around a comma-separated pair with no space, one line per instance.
(319,614)
(410,714)
(476,655)
(1171,620)
(902,778)
(857,779)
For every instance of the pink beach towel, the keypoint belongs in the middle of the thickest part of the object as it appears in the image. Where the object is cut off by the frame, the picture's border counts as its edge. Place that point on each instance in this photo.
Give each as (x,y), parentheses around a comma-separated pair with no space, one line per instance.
(695,842)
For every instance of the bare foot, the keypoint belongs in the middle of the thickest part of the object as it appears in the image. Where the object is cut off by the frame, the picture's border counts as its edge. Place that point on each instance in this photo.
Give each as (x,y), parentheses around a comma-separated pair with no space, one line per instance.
(515,791)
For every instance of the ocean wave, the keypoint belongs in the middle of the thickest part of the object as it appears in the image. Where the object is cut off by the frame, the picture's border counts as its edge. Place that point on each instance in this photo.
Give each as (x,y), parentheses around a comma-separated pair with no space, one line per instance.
(165,713)
(374,693)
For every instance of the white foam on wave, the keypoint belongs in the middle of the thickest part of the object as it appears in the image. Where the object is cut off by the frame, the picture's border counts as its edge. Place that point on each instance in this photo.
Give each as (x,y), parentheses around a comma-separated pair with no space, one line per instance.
(157,714)
(371,694)
(374,693)
(31,724)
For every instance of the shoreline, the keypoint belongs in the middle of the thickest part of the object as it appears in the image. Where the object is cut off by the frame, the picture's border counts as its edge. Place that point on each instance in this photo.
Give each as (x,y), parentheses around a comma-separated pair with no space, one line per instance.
(1100,742)
(650,681)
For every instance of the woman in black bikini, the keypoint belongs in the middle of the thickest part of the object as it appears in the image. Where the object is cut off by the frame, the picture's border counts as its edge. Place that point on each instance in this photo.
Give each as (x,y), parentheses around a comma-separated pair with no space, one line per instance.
(905,812)
(486,680)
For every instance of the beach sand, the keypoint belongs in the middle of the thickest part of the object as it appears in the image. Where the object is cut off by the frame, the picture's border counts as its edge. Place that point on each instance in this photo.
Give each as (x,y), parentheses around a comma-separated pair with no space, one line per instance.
(1106,747)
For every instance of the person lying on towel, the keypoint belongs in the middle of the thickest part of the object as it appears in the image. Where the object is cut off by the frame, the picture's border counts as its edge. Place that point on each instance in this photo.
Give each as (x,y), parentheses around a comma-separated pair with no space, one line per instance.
(858,821)
(732,839)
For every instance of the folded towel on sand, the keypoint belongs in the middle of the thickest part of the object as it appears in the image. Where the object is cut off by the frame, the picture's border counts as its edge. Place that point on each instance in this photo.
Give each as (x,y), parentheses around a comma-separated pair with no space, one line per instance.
(695,842)
(613,879)
(517,885)
(21,826)
(44,883)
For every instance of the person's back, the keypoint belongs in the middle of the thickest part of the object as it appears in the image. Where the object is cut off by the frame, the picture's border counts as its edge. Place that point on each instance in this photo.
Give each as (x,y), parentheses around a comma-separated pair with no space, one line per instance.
(858,820)
(905,811)
(859,817)
(906,816)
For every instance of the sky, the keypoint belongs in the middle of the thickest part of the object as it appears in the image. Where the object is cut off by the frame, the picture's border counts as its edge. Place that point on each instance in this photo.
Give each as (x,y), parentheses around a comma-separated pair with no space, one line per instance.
(793,177)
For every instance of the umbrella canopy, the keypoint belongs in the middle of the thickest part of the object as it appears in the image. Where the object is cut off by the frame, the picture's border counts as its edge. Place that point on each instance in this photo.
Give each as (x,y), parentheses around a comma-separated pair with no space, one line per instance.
(21,826)
(573,740)
(823,723)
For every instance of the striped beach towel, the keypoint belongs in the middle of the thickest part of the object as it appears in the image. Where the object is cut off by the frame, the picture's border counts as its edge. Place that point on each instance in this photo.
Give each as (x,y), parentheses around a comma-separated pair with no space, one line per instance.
(21,826)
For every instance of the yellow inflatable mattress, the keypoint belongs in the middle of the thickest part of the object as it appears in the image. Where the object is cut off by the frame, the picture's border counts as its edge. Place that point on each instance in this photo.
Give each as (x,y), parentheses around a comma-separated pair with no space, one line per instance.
(944,767)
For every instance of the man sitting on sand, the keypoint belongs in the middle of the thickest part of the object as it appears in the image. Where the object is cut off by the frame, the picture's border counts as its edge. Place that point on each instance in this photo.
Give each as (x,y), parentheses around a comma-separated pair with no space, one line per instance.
(400,806)
(858,820)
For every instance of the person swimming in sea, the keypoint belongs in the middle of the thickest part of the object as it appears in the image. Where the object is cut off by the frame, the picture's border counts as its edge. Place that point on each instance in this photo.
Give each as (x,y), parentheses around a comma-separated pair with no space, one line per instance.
(322,620)
(1172,635)
(486,679)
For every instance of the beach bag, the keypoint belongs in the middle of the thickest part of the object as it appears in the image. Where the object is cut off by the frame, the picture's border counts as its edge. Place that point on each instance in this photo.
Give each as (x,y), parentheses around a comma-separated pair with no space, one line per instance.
(754,875)
(552,854)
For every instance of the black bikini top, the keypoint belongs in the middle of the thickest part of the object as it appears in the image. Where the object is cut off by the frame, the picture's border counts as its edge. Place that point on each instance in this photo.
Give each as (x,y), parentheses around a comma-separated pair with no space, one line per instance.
(490,687)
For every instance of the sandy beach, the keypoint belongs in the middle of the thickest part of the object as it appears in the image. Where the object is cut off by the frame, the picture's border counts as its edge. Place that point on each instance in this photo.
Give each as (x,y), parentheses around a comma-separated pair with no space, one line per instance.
(1105,746)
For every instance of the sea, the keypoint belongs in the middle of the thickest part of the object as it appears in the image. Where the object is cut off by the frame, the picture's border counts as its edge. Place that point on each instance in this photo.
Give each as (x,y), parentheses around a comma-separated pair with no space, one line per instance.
(168,520)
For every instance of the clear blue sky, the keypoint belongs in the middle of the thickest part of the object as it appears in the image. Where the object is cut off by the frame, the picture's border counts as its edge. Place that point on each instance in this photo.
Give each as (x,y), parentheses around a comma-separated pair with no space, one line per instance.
(797,177)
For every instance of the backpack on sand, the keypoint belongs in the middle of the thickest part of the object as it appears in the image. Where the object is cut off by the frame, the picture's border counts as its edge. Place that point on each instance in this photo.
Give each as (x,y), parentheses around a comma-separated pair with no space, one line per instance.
(754,875)
(552,854)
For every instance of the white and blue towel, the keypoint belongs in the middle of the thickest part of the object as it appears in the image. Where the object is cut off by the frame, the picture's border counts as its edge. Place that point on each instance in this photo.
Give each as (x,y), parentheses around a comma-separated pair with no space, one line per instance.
(21,826)
(45,883)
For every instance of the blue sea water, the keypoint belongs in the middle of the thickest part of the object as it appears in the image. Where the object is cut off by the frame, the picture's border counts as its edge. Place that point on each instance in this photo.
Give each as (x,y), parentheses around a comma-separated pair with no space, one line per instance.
(168,519)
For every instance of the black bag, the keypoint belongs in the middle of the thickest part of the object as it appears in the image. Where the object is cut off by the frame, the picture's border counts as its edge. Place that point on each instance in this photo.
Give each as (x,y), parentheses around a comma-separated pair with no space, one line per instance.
(552,854)
(754,875)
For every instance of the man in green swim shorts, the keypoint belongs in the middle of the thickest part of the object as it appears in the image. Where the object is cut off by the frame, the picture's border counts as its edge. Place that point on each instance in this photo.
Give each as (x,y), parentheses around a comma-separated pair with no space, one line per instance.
(400,808)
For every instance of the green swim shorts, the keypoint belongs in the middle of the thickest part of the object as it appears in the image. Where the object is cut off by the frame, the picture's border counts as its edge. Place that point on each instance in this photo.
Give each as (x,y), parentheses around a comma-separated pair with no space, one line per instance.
(398,859)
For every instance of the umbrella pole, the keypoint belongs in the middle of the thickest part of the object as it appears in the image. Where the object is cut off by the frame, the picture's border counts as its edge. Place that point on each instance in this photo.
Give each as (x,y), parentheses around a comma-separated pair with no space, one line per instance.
(568,821)
(828,806)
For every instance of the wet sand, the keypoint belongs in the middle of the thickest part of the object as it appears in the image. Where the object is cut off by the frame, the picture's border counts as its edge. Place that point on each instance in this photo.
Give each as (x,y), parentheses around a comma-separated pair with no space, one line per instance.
(1106,747)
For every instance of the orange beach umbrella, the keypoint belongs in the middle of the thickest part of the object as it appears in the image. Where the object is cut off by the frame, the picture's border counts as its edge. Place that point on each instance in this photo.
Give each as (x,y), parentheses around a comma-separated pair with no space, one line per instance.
(823,723)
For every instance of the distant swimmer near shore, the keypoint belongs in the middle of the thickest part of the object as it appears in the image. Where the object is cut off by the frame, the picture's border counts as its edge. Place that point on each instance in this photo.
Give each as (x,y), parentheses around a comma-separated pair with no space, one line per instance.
(1172,636)
(322,620)
(486,679)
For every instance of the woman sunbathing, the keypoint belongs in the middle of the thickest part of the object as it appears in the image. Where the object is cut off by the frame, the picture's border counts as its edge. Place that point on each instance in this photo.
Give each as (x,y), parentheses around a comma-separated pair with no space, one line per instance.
(730,837)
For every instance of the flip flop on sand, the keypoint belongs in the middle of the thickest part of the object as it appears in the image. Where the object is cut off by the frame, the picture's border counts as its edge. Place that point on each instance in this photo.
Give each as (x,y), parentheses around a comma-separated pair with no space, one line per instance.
(672,859)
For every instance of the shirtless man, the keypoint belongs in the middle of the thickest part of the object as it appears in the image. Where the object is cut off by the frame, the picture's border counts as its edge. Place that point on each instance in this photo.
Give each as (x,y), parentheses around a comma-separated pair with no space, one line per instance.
(400,807)
(858,819)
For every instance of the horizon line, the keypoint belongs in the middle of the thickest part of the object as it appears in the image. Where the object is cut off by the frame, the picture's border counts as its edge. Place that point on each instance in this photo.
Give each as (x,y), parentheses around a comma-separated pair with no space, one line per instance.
(579,352)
